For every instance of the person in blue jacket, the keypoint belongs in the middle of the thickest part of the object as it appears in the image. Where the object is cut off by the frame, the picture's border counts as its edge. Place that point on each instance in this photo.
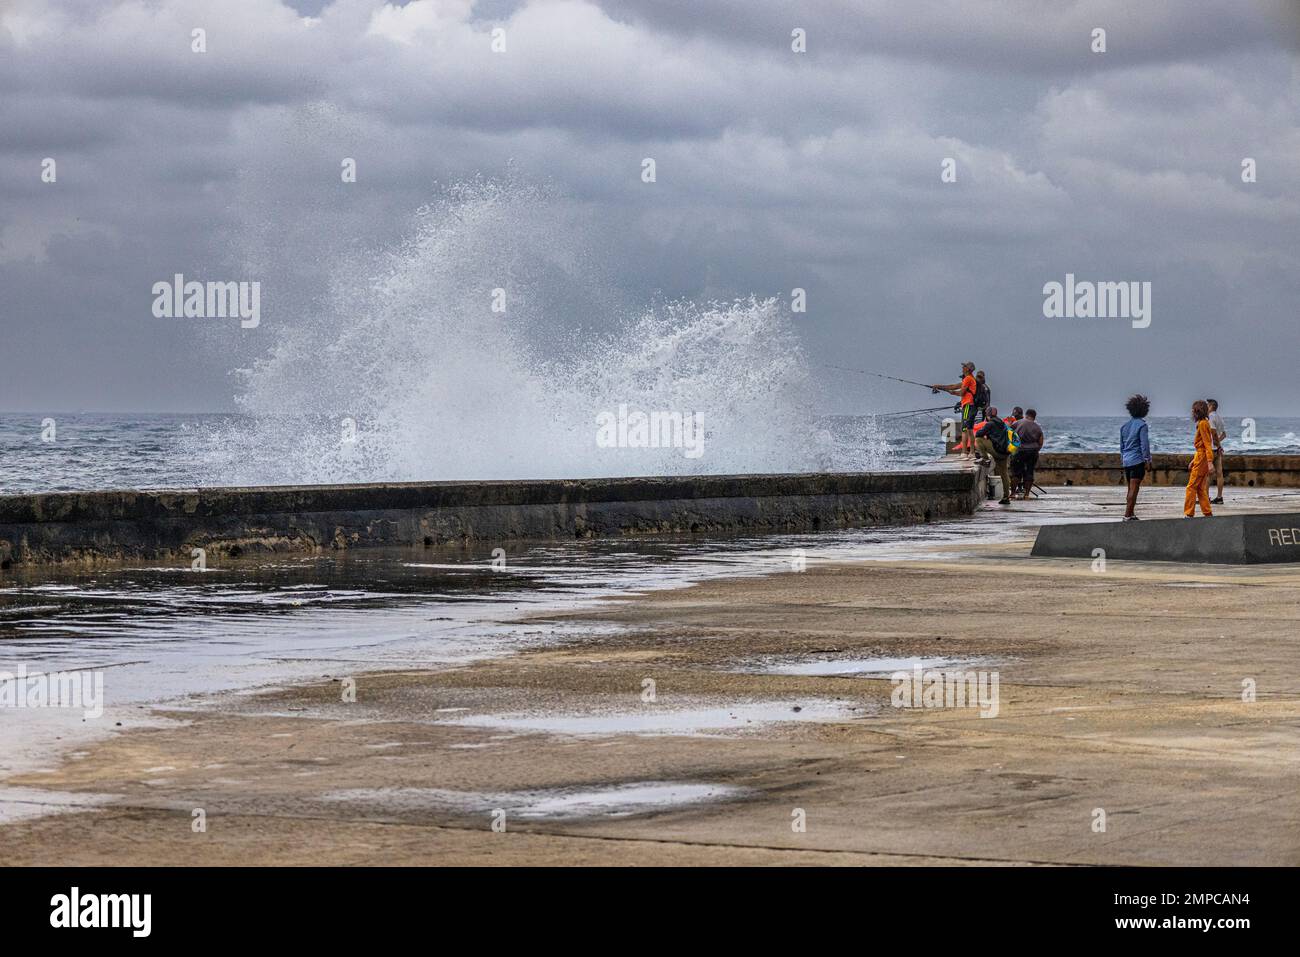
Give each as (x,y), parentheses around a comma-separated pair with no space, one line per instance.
(1135,450)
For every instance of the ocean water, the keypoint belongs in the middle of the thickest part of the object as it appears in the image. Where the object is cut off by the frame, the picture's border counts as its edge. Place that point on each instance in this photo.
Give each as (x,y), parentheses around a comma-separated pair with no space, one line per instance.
(88,451)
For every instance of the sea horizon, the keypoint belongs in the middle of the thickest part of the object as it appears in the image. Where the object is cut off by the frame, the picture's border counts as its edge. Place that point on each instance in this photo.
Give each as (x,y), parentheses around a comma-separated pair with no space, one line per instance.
(161,450)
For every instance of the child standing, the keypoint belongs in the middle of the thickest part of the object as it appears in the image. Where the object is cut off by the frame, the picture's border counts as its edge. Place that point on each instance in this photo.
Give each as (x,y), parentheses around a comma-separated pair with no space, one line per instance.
(1198,479)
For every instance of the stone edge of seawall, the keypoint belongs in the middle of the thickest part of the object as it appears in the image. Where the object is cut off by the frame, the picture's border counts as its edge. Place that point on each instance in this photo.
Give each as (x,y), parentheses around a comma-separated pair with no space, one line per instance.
(1103,468)
(87,527)
(144,504)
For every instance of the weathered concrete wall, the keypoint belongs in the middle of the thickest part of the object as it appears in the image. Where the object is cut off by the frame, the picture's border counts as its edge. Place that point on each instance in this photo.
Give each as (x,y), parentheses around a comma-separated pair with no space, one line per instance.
(1103,468)
(1259,538)
(95,526)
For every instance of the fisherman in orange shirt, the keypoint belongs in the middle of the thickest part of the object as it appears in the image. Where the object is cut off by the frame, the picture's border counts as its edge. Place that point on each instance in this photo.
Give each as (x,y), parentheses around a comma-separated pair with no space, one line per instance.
(1198,480)
(966,389)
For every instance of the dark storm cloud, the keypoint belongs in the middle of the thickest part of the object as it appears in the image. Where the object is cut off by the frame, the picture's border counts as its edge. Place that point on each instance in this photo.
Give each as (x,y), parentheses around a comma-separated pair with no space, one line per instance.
(775,170)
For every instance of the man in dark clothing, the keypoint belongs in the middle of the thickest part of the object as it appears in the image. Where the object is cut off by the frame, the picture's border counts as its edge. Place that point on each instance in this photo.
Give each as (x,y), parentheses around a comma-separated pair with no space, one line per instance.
(992,442)
(1026,460)
(982,396)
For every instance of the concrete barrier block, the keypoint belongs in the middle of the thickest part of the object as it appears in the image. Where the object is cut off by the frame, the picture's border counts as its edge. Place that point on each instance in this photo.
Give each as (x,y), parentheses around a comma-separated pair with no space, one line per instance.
(1259,538)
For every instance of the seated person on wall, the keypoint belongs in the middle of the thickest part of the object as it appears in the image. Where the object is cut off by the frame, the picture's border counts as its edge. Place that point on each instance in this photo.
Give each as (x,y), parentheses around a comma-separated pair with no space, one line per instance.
(994,444)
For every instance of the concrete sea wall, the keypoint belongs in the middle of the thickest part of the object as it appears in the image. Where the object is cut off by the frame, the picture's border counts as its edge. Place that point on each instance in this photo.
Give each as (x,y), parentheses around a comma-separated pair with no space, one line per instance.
(1098,468)
(75,527)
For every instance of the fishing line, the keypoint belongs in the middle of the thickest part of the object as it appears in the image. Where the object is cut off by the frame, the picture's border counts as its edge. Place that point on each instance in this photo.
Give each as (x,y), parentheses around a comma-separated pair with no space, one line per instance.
(907,412)
(878,375)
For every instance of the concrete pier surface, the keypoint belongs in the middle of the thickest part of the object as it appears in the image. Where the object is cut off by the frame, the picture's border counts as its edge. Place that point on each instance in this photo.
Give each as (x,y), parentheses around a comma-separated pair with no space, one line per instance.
(90,527)
(1145,714)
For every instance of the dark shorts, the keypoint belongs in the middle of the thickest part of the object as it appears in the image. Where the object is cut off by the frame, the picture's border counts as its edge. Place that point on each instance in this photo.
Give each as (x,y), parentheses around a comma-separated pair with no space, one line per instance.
(1024,463)
(968,416)
(1138,471)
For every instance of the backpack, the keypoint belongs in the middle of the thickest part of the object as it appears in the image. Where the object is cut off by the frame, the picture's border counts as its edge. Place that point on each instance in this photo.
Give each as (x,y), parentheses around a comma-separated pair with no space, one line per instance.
(999,438)
(982,395)
(1013,441)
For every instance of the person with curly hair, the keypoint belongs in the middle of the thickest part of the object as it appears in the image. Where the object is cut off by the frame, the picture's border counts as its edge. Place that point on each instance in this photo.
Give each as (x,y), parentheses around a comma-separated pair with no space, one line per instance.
(1135,450)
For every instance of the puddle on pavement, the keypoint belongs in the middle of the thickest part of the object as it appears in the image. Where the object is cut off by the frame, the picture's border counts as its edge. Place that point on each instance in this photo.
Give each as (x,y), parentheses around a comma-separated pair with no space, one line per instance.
(852,667)
(659,719)
(23,804)
(621,800)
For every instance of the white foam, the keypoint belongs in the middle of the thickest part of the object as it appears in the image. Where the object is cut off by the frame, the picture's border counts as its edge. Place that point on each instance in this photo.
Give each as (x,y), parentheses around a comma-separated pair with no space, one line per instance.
(441,387)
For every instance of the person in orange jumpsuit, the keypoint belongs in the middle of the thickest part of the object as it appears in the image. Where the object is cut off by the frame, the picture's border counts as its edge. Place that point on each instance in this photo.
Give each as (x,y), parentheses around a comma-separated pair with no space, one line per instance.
(1198,481)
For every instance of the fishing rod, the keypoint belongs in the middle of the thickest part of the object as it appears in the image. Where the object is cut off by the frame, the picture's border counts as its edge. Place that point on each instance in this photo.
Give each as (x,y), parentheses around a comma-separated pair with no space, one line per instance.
(878,375)
(938,408)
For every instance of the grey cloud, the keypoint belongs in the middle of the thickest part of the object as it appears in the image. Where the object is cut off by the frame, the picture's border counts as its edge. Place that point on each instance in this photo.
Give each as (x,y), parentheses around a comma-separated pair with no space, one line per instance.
(1035,36)
(775,170)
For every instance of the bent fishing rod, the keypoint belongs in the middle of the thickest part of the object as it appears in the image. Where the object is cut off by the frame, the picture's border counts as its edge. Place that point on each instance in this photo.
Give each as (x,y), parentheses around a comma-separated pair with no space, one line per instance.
(878,375)
(937,408)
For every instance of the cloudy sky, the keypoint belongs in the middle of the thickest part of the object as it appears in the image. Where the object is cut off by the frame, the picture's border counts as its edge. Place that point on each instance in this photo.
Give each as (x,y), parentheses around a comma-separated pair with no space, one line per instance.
(775,169)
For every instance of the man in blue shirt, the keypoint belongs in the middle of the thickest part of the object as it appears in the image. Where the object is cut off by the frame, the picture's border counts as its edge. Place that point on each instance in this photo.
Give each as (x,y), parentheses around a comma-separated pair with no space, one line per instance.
(1135,450)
